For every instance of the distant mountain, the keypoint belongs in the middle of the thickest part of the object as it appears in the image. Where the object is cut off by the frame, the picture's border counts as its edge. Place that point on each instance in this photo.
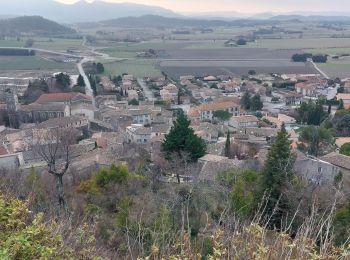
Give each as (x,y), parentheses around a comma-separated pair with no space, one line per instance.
(35,25)
(81,11)
(160,21)
(311,18)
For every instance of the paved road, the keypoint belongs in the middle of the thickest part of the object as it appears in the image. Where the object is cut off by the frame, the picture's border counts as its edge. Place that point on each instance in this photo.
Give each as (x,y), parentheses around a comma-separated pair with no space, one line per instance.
(88,89)
(146,91)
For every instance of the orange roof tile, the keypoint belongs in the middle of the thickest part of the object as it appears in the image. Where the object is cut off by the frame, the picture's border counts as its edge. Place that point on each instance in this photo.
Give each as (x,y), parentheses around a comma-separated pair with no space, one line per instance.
(59,97)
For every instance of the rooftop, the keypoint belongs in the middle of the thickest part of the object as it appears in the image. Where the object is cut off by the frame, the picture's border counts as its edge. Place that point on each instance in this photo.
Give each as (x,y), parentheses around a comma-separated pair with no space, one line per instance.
(59,97)
(218,105)
(339,160)
(245,119)
(60,122)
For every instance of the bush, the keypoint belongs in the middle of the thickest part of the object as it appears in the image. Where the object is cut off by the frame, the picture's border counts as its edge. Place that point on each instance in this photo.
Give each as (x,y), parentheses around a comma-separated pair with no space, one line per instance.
(115,174)
(241,42)
(345,149)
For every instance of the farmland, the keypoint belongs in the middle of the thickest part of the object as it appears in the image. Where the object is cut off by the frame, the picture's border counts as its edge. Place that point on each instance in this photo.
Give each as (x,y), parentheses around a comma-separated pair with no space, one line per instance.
(304,43)
(32,63)
(138,68)
(52,44)
(238,67)
(336,68)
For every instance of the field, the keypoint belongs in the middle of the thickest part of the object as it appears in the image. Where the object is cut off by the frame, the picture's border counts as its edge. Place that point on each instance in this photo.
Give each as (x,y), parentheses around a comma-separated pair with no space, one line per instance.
(32,63)
(329,51)
(239,67)
(138,68)
(304,43)
(336,68)
(53,44)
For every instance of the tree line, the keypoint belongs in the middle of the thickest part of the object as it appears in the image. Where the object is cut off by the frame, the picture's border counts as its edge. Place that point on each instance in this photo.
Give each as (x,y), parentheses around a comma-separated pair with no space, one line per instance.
(16,52)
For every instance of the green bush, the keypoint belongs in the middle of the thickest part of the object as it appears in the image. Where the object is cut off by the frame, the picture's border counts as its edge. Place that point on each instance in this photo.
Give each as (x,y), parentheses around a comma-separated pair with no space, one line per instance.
(345,149)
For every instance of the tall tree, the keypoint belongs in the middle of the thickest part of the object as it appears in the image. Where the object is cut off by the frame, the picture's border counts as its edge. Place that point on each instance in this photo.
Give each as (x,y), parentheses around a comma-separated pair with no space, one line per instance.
(80,81)
(276,175)
(54,147)
(182,138)
(315,137)
(256,103)
(245,101)
(228,145)
(100,68)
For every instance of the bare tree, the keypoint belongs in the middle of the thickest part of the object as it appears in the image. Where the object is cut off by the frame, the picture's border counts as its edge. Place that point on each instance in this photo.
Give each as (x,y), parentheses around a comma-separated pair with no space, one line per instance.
(53,146)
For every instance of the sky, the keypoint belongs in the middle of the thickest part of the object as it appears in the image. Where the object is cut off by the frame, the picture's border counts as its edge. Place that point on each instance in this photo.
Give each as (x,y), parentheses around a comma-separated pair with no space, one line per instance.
(245,6)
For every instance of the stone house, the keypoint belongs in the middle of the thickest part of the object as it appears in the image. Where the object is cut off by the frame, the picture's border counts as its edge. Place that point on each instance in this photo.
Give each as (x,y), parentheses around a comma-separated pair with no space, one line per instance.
(244,121)
(207,110)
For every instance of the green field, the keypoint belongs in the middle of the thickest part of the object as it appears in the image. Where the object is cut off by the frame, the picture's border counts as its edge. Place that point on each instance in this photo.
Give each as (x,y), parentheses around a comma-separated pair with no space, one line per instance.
(31,63)
(330,51)
(304,43)
(136,67)
(336,68)
(53,44)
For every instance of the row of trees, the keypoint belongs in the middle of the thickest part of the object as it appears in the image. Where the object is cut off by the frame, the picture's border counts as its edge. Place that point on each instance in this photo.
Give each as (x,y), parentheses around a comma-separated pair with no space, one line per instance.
(305,56)
(16,52)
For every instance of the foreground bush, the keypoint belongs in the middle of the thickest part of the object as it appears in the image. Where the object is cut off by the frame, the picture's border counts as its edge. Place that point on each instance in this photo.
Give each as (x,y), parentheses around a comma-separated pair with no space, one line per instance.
(24,236)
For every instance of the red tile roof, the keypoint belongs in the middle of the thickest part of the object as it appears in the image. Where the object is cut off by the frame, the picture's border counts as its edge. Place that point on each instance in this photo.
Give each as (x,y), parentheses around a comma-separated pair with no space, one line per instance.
(59,97)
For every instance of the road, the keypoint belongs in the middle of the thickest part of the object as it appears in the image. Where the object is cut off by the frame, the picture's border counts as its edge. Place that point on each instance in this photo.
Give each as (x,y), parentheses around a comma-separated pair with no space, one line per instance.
(146,91)
(319,70)
(88,89)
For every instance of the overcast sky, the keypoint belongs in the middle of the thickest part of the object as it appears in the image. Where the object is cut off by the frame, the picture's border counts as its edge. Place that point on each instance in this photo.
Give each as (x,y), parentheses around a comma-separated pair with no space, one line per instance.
(247,6)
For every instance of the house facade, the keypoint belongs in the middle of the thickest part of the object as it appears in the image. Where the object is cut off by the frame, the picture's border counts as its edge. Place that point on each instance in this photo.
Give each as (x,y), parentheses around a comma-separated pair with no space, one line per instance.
(207,110)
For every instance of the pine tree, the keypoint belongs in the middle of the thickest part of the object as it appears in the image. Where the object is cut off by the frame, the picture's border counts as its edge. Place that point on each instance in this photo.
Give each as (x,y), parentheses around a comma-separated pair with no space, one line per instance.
(256,103)
(182,138)
(228,145)
(276,174)
(80,81)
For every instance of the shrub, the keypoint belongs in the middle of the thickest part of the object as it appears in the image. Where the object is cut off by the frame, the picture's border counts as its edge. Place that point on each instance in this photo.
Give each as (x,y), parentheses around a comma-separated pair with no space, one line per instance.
(345,149)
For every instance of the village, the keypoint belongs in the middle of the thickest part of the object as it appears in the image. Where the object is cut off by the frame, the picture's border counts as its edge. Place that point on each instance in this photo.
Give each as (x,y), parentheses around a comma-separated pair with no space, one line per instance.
(129,117)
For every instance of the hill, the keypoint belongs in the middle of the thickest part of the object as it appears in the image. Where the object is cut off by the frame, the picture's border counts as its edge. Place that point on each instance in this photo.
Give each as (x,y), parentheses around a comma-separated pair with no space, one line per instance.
(160,21)
(33,25)
(81,11)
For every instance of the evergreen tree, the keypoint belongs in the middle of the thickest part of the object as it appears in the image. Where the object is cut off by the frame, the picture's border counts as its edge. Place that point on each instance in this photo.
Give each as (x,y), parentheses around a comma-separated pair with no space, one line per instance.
(256,103)
(182,138)
(316,137)
(276,174)
(228,145)
(100,68)
(245,101)
(80,81)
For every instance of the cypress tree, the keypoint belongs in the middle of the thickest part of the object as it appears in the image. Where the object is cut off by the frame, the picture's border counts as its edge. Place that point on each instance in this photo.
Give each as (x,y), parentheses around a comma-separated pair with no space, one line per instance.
(276,174)
(228,145)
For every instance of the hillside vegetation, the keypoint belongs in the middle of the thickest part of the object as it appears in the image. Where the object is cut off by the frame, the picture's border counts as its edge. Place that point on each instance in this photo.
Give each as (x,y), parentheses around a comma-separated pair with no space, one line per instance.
(33,25)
